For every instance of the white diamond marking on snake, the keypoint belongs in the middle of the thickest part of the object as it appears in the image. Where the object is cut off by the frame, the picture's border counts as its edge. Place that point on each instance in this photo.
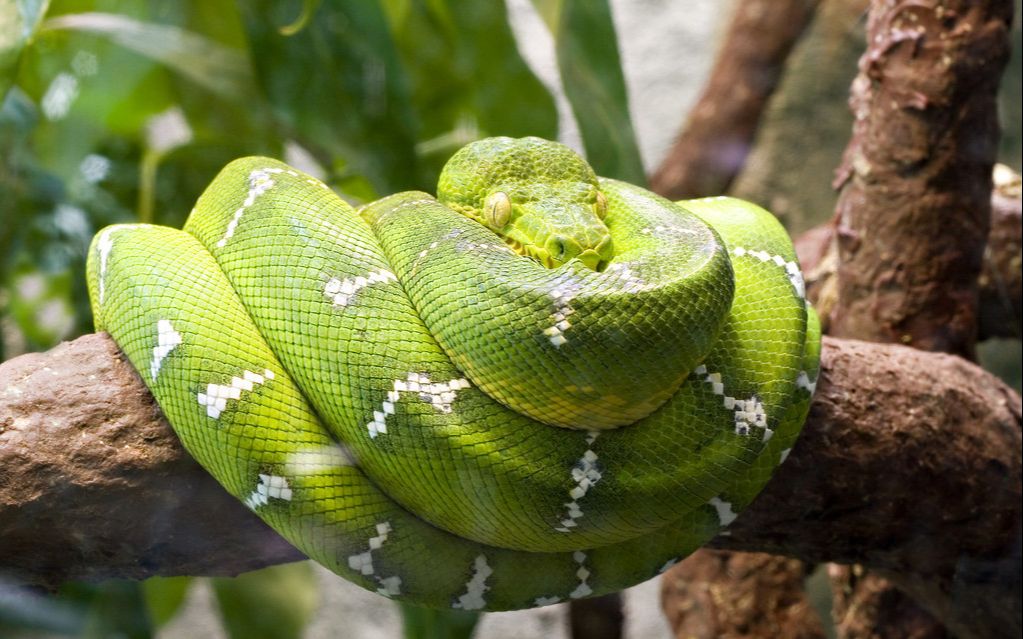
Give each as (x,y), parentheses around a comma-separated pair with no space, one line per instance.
(427,250)
(661,229)
(167,339)
(583,589)
(440,395)
(340,291)
(627,278)
(259,183)
(362,562)
(725,513)
(791,267)
(389,586)
(748,413)
(559,318)
(476,586)
(586,475)
(104,245)
(269,487)
(804,382)
(216,395)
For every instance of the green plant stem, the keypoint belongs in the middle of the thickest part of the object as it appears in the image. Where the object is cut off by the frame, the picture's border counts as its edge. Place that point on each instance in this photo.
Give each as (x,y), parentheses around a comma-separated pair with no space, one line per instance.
(147,185)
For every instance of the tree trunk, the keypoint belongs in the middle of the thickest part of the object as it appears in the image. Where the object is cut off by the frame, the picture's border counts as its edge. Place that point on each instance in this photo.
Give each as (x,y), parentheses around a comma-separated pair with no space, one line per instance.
(719,132)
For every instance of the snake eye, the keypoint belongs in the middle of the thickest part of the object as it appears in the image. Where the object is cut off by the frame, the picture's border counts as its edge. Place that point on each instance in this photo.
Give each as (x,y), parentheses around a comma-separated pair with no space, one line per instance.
(601,205)
(497,209)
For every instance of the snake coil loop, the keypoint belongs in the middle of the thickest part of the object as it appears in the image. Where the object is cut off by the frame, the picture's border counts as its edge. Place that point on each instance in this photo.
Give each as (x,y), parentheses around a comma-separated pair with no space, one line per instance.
(541,385)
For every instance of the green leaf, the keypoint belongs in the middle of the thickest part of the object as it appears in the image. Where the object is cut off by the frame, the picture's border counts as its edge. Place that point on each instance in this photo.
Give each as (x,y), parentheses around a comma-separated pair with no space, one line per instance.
(218,68)
(115,608)
(18,21)
(550,12)
(308,10)
(164,597)
(273,603)
(425,623)
(337,87)
(468,79)
(591,71)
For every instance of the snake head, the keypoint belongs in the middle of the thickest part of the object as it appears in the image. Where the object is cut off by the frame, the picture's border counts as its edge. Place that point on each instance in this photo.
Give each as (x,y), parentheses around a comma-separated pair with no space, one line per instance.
(540,197)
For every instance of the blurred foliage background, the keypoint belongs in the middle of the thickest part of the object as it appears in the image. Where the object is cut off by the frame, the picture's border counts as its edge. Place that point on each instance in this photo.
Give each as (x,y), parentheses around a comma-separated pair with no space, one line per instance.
(119,111)
(122,111)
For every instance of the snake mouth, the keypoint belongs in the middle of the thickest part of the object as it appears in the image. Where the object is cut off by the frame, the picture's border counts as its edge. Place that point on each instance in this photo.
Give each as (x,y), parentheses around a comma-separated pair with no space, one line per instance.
(531,251)
(516,246)
(591,258)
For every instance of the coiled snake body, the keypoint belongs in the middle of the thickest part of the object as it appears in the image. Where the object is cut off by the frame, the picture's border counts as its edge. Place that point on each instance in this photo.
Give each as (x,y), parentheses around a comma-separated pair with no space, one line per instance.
(542,385)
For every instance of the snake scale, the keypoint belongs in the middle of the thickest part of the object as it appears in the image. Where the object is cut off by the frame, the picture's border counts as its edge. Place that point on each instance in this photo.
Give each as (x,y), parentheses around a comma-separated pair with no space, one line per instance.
(538,386)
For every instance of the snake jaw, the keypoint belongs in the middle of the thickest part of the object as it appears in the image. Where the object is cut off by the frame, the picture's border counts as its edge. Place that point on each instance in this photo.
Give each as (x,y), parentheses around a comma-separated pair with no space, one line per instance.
(592,260)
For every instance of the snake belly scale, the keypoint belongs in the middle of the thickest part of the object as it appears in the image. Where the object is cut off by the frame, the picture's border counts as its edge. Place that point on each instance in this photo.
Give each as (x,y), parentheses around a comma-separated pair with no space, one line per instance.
(540,385)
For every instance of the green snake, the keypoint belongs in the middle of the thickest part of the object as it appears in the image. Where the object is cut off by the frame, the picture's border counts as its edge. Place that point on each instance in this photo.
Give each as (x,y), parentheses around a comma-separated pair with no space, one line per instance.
(538,386)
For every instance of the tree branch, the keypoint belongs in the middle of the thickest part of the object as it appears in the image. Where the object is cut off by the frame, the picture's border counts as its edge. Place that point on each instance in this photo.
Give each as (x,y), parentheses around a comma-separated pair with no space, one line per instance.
(909,464)
(912,217)
(865,605)
(719,132)
(897,470)
(94,484)
(714,593)
(1000,284)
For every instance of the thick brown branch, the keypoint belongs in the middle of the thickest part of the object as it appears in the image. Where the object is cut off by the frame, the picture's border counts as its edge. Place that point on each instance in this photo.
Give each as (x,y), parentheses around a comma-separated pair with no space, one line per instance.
(715,593)
(999,283)
(94,483)
(909,463)
(913,214)
(719,132)
(866,606)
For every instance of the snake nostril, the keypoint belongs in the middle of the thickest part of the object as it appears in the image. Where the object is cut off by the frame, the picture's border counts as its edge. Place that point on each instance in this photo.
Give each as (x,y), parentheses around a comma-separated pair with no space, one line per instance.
(557,247)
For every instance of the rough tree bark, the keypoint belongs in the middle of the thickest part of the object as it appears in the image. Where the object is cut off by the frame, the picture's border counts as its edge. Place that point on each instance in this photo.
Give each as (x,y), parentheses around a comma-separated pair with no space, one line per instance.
(909,464)
(739,594)
(1000,283)
(912,217)
(719,132)
(866,606)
